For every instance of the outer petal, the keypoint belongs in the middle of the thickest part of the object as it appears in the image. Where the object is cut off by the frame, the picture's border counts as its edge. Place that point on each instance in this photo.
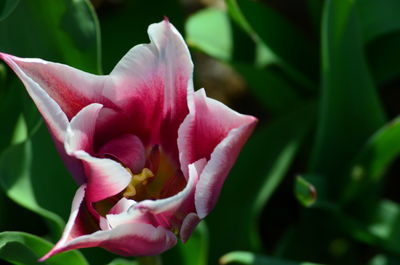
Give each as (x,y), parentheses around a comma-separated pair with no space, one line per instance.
(54,116)
(230,131)
(105,177)
(56,119)
(75,226)
(129,239)
(155,92)
(71,88)
(137,239)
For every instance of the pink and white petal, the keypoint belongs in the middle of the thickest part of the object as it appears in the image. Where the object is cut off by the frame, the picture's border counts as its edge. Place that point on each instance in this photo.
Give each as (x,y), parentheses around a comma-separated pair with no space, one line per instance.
(137,239)
(158,89)
(71,88)
(127,149)
(74,227)
(188,225)
(80,132)
(54,116)
(215,172)
(208,123)
(104,177)
(122,205)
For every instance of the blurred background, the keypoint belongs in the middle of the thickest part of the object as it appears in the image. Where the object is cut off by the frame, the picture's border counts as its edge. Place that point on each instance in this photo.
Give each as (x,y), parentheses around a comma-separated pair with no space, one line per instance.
(318,181)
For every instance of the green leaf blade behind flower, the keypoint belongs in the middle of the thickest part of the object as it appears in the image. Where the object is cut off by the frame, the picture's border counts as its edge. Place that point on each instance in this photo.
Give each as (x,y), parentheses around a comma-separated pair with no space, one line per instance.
(296,54)
(69,35)
(350,110)
(22,248)
(6,7)
(202,29)
(248,258)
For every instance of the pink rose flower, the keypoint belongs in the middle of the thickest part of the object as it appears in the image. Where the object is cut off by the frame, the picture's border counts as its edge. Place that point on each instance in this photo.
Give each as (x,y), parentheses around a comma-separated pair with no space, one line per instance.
(150,154)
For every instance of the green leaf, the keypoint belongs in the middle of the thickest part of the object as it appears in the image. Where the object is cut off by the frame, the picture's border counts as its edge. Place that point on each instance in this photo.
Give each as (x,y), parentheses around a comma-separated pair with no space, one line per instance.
(32,175)
(305,192)
(193,252)
(263,163)
(202,29)
(384,58)
(378,17)
(15,180)
(6,7)
(381,29)
(270,88)
(248,258)
(350,110)
(22,248)
(295,53)
(120,261)
(381,231)
(373,160)
(69,35)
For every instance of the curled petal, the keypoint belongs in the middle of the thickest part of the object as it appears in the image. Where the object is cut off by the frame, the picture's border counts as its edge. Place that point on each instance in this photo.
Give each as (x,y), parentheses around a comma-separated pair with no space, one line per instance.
(104,177)
(230,131)
(213,176)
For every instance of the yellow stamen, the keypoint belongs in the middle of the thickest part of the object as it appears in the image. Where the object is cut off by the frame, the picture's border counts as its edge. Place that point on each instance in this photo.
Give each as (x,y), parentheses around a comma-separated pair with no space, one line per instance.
(137,179)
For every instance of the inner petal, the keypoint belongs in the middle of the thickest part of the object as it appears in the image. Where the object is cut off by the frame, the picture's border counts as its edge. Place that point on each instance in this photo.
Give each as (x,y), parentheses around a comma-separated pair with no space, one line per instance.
(127,149)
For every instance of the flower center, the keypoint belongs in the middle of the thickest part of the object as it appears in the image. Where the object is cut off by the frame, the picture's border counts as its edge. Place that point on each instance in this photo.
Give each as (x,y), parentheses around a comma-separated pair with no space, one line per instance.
(138,181)
(158,179)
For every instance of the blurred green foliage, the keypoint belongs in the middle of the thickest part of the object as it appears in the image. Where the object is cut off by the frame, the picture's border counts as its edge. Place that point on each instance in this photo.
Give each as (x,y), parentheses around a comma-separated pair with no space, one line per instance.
(316,183)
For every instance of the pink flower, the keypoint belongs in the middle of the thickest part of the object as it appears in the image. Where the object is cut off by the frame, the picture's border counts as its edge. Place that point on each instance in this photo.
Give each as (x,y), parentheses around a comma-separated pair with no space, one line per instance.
(150,154)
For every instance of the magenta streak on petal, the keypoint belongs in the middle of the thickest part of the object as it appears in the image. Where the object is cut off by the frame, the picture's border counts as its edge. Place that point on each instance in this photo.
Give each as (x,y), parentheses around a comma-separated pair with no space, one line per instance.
(71,88)
(127,149)
(155,92)
(55,118)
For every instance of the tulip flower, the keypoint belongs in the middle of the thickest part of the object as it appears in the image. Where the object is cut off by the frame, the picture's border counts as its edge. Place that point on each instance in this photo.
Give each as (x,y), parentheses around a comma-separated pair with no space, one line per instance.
(149,153)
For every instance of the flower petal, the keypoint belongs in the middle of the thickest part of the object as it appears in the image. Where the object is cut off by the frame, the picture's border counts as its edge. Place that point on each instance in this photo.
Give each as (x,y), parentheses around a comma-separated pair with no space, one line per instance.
(127,149)
(104,177)
(52,113)
(71,88)
(188,225)
(75,226)
(230,131)
(55,118)
(155,92)
(137,239)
